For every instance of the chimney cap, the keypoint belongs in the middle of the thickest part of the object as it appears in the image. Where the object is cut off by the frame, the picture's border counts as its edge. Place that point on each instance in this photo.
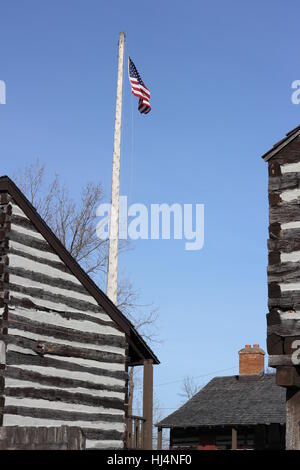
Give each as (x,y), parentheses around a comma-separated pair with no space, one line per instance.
(255,349)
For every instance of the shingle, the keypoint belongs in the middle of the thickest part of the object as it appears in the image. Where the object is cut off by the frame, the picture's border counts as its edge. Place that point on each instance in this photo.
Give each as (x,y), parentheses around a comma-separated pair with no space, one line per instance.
(232,400)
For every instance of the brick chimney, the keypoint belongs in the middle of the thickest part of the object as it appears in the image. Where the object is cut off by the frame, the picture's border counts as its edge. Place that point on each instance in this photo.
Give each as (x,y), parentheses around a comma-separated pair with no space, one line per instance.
(251,360)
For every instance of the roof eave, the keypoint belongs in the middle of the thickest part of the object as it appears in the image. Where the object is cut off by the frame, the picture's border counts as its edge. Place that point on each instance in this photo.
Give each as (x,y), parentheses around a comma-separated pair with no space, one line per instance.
(280,145)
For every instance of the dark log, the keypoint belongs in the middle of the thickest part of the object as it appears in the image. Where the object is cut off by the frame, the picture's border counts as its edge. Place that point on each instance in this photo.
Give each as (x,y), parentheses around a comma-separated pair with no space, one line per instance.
(280,360)
(287,376)
(14,358)
(274,257)
(285,328)
(284,182)
(1,382)
(53,394)
(274,169)
(273,318)
(68,334)
(62,350)
(32,242)
(62,415)
(4,198)
(38,294)
(48,280)
(60,382)
(290,234)
(285,246)
(286,212)
(23,222)
(274,344)
(289,300)
(37,259)
(274,199)
(29,305)
(274,290)
(284,273)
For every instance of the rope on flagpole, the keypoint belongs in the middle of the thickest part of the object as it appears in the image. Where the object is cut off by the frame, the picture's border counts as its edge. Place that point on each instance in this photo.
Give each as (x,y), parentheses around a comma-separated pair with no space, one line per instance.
(131,152)
(132,136)
(131,156)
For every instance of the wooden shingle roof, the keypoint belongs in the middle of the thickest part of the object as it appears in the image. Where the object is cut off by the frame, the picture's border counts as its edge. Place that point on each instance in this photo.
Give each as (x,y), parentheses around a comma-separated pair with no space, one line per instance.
(229,401)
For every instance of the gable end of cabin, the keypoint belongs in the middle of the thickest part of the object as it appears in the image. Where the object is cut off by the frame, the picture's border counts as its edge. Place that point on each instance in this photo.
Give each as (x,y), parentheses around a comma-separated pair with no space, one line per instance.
(63,358)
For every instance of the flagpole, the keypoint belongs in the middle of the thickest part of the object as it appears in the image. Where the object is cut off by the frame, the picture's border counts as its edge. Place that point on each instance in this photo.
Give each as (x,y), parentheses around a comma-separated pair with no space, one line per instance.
(112,272)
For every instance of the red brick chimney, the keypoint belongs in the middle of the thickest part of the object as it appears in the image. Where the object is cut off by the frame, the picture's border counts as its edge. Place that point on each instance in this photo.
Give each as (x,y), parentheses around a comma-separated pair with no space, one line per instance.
(251,360)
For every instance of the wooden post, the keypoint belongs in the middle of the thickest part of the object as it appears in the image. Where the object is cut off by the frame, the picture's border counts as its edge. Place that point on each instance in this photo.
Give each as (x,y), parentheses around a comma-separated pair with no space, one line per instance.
(112,272)
(129,433)
(148,404)
(234,439)
(133,438)
(137,433)
(292,437)
(159,438)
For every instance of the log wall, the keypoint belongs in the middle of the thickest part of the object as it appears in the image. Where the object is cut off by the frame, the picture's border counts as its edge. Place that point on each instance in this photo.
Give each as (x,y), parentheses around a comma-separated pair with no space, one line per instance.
(42,438)
(284,254)
(64,356)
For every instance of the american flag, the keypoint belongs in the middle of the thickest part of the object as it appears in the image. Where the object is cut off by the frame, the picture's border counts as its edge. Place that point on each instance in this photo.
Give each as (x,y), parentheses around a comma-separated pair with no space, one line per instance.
(139,88)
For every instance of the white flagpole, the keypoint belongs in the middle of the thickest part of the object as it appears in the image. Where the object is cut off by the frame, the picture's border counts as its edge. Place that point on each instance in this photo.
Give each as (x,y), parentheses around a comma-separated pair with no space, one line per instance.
(112,272)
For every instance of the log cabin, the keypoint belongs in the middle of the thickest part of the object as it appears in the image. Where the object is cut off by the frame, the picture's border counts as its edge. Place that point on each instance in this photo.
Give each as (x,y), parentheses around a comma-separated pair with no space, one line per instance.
(283,317)
(65,348)
(244,411)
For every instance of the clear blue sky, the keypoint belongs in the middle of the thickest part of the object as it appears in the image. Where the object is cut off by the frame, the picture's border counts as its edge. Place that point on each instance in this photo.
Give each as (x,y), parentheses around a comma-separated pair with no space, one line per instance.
(220,74)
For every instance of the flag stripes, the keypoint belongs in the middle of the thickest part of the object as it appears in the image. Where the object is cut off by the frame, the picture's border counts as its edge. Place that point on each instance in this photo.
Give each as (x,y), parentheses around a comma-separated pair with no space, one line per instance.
(139,88)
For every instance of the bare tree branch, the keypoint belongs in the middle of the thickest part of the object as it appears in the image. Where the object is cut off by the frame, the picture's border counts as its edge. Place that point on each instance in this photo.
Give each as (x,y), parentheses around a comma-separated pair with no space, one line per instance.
(143,316)
(74,224)
(189,388)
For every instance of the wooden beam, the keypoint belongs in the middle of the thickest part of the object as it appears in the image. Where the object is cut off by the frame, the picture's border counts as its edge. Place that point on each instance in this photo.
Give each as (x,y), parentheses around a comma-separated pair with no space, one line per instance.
(159,438)
(234,439)
(288,376)
(148,404)
(129,433)
(274,344)
(280,360)
(292,439)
